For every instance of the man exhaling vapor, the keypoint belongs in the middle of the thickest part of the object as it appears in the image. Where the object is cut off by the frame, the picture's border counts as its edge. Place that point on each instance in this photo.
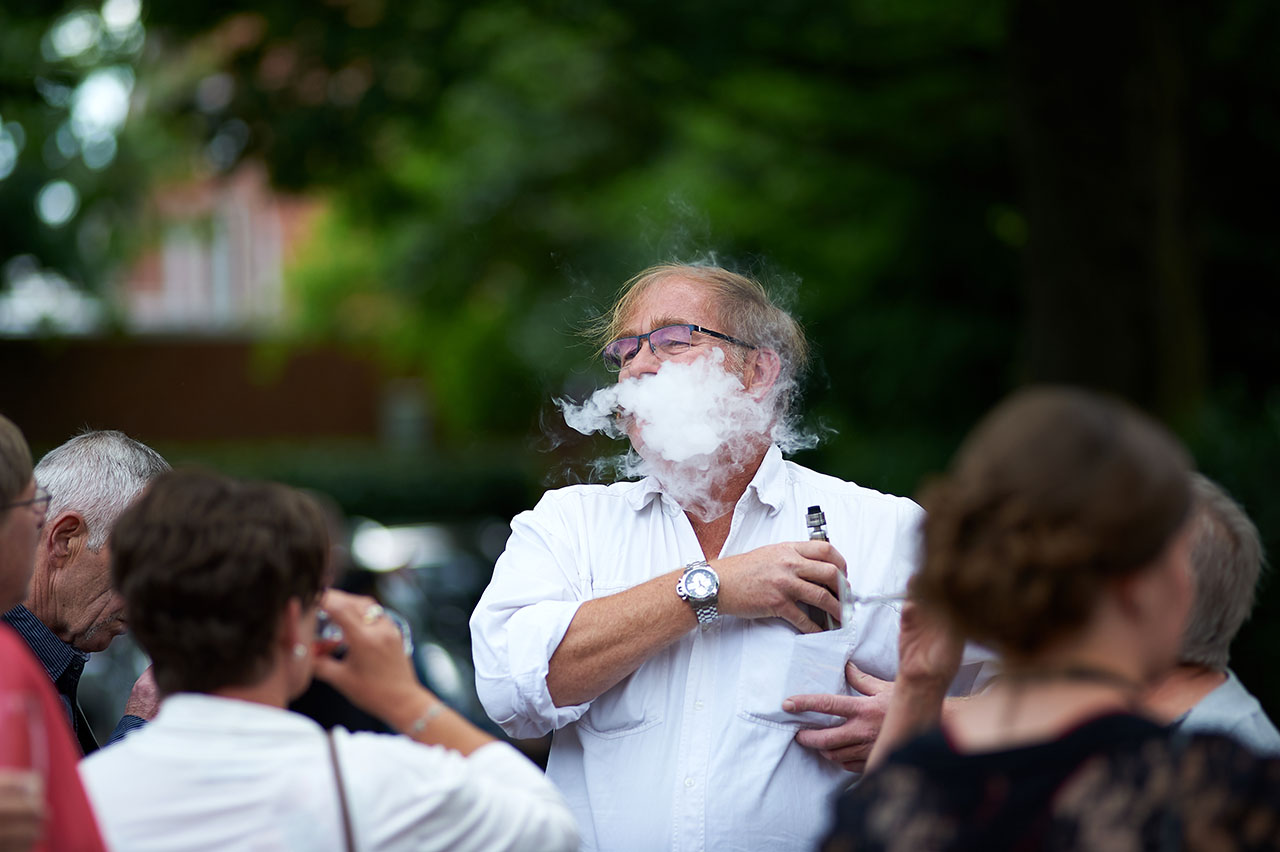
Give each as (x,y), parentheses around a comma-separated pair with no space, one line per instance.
(657,628)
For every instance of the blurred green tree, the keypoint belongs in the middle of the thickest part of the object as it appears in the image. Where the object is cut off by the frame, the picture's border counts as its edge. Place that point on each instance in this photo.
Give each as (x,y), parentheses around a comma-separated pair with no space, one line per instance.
(495,170)
(66,181)
(956,196)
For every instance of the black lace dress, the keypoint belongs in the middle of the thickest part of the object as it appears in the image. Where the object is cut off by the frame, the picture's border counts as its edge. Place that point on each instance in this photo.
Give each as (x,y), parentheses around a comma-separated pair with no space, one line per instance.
(1118,782)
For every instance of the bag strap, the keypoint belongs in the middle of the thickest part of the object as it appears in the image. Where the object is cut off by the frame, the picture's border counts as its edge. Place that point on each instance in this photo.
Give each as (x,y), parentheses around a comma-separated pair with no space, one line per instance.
(342,795)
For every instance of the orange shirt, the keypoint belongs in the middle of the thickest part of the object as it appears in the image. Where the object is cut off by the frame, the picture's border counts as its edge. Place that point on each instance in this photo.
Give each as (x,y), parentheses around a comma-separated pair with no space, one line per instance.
(69,823)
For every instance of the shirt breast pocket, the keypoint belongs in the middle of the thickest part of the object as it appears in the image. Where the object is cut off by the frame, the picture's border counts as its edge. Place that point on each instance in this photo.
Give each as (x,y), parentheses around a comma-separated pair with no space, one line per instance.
(623,710)
(777,662)
(632,705)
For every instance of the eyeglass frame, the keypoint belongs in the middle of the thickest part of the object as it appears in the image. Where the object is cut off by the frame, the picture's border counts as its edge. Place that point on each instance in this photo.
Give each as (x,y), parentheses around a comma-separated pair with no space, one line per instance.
(648,336)
(43,495)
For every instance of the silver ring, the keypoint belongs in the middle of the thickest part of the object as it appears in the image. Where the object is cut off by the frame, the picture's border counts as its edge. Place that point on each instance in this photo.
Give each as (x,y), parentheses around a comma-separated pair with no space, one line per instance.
(373,613)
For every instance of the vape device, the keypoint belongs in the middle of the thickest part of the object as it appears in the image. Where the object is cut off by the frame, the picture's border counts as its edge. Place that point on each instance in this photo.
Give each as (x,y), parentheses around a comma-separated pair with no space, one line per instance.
(816,521)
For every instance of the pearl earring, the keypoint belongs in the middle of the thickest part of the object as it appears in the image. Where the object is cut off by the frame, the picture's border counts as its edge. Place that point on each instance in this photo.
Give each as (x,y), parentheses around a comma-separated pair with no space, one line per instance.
(299,650)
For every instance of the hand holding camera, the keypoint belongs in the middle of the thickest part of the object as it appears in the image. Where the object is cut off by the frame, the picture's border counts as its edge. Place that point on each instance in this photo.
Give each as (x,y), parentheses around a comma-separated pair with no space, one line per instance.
(363,655)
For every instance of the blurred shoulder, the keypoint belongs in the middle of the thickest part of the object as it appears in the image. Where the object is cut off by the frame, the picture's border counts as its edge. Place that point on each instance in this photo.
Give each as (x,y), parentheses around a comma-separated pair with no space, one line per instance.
(383,750)
(577,500)
(101,771)
(1210,782)
(587,492)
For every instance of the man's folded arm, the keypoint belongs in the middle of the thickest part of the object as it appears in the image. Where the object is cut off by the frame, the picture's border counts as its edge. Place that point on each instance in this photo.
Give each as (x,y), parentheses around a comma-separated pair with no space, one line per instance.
(529,611)
(543,651)
(611,637)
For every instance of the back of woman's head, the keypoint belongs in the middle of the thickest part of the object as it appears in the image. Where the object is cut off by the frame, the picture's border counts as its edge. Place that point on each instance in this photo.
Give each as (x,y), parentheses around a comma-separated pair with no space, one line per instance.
(15,461)
(1055,493)
(207,566)
(17,553)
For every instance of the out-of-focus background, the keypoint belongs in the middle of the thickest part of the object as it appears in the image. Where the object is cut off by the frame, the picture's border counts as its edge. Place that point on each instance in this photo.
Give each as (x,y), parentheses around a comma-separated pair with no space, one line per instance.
(349,244)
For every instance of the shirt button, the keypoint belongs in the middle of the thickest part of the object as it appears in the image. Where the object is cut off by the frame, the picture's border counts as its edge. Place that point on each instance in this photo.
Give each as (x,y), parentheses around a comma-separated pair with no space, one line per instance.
(688,782)
(698,705)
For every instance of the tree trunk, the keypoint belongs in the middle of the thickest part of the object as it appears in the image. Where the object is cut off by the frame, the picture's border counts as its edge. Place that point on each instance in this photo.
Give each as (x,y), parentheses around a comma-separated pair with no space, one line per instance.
(1098,99)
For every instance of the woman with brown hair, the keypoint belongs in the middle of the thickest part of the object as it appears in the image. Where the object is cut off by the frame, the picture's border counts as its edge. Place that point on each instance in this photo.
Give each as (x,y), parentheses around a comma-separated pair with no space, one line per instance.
(222,582)
(1059,538)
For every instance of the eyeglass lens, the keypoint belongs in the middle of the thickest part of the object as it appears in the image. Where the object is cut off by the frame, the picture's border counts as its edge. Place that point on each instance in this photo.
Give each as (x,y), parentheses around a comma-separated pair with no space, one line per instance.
(40,502)
(663,342)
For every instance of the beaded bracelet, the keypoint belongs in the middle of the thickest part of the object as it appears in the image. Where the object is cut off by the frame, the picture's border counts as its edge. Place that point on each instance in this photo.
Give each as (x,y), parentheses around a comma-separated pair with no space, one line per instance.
(420,724)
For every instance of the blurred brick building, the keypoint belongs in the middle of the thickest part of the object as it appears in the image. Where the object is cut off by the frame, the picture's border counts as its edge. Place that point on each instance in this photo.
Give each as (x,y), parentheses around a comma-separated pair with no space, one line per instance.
(220,264)
(195,361)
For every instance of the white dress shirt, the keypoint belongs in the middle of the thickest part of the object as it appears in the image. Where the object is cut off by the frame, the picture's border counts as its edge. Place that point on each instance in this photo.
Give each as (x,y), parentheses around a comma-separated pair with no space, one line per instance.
(693,750)
(219,774)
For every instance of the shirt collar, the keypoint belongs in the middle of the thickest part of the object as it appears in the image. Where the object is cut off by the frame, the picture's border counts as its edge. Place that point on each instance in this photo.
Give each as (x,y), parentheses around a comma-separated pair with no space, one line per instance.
(640,493)
(56,656)
(769,485)
(199,711)
(770,481)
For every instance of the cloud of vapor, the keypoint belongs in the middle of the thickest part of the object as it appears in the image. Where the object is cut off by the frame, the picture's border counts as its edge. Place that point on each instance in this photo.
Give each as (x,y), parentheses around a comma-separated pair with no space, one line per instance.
(692,426)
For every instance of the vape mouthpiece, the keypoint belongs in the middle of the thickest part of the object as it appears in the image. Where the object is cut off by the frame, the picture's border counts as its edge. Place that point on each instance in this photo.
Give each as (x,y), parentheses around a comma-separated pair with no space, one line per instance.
(817,523)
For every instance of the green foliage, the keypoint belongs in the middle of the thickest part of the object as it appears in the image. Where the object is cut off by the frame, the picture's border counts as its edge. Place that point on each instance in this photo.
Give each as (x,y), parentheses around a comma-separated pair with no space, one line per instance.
(52,55)
(506,166)
(493,170)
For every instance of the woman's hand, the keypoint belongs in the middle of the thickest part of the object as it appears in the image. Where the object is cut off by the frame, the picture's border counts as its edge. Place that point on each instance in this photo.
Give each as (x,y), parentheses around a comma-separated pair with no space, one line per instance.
(375,674)
(929,654)
(929,651)
(21,809)
(377,677)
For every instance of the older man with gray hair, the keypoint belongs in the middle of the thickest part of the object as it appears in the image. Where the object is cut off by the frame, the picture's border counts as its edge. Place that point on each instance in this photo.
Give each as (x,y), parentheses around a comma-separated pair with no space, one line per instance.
(1202,694)
(71,608)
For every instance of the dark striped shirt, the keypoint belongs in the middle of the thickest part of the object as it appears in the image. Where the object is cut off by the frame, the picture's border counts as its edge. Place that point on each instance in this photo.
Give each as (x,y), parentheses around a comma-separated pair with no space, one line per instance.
(62,661)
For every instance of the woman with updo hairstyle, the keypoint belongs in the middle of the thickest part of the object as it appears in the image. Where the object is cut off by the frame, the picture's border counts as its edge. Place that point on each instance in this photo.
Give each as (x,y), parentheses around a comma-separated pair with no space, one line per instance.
(1055,495)
(1059,538)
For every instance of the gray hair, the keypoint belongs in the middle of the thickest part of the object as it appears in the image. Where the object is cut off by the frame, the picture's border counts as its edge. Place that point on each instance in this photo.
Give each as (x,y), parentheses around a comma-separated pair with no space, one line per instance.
(98,474)
(1226,560)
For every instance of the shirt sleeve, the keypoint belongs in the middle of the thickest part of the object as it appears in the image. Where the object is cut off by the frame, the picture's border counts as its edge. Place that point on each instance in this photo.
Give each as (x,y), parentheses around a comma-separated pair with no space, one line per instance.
(127,725)
(410,796)
(522,616)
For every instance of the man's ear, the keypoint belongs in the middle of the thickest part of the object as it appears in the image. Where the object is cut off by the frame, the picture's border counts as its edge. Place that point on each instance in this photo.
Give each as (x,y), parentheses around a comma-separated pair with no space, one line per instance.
(60,535)
(763,372)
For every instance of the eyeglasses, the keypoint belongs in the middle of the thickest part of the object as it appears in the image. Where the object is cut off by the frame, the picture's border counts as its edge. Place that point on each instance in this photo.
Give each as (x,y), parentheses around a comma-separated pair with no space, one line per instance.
(663,343)
(40,501)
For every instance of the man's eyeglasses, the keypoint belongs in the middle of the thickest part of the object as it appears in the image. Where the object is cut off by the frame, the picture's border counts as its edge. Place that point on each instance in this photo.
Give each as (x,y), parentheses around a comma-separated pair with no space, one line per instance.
(40,501)
(663,343)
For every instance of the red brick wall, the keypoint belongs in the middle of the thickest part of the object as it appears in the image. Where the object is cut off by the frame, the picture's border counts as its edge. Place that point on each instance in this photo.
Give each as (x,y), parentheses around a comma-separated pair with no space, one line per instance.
(160,390)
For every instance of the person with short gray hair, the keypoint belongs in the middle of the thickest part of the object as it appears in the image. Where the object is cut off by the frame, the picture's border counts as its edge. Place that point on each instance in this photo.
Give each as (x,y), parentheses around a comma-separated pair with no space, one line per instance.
(1202,694)
(71,608)
(98,474)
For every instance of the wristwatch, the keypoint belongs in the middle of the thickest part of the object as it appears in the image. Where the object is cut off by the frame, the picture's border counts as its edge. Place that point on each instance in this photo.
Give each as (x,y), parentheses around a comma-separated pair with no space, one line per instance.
(699,587)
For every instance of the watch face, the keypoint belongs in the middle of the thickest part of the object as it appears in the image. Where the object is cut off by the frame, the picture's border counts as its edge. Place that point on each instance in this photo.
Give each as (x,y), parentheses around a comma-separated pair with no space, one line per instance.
(701,584)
